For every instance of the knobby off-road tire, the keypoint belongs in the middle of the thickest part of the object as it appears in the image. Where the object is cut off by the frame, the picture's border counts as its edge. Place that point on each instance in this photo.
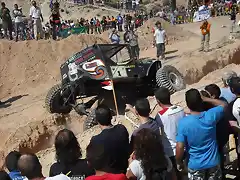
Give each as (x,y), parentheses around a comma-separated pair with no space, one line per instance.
(90,121)
(169,77)
(54,101)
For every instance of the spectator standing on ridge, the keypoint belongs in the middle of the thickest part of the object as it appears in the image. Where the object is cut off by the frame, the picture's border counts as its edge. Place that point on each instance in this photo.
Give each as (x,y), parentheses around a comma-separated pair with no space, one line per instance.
(30,167)
(205,31)
(37,19)
(11,162)
(68,155)
(114,36)
(197,132)
(115,141)
(168,119)
(148,160)
(133,43)
(160,38)
(120,22)
(226,91)
(18,20)
(55,21)
(6,21)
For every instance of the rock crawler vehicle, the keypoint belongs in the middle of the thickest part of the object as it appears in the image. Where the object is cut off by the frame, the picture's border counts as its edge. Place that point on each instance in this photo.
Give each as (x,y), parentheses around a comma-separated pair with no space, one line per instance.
(89,73)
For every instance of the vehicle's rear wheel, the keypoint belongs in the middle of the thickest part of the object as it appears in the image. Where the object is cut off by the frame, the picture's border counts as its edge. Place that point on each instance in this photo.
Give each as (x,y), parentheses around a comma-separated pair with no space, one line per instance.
(54,101)
(169,77)
(90,121)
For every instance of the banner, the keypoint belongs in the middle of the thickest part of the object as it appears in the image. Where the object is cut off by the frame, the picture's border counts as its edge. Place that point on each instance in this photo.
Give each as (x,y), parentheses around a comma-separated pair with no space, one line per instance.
(201,15)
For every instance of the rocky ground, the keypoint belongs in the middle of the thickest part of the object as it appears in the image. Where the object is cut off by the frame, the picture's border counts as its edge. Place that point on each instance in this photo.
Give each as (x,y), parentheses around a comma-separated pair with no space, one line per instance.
(28,69)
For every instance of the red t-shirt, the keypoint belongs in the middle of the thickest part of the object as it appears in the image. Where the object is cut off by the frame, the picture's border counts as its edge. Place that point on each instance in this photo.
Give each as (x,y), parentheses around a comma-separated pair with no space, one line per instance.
(108,176)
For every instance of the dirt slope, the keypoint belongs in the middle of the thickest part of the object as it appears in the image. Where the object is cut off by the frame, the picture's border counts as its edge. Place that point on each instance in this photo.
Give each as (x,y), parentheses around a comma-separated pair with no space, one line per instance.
(28,64)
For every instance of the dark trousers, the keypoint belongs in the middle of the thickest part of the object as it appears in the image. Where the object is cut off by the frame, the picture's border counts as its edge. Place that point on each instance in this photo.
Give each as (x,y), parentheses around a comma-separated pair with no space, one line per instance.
(160,50)
(7,26)
(174,163)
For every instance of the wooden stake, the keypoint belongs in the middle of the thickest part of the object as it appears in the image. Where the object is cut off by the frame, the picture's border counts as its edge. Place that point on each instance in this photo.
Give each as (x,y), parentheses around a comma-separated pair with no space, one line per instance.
(114,98)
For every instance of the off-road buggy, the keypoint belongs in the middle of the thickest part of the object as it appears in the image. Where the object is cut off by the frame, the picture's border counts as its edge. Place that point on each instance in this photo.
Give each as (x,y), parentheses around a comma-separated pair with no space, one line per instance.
(91,73)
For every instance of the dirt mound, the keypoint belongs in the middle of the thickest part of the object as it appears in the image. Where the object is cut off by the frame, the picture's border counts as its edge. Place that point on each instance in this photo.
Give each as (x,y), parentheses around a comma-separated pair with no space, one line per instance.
(174,33)
(28,64)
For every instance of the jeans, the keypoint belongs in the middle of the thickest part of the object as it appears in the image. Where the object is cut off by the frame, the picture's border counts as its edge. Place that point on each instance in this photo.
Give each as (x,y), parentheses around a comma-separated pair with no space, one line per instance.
(205,41)
(19,30)
(213,173)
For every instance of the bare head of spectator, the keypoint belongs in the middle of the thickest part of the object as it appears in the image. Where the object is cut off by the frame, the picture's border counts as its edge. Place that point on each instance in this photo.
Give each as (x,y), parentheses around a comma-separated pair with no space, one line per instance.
(34,3)
(162,96)
(213,90)
(67,147)
(29,166)
(194,100)
(4,175)
(15,6)
(3,4)
(149,151)
(234,84)
(227,76)
(11,160)
(97,158)
(103,116)
(142,108)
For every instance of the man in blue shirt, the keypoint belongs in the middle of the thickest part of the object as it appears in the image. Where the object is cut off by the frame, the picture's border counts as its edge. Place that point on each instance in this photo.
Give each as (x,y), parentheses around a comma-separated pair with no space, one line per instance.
(197,132)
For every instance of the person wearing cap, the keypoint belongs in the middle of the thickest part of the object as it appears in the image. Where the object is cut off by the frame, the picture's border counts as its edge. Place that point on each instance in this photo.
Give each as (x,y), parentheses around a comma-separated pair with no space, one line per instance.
(160,38)
(205,31)
(226,91)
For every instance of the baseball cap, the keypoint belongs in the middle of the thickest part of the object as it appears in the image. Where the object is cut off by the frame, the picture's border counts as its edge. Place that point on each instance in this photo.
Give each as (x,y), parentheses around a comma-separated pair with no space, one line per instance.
(228,75)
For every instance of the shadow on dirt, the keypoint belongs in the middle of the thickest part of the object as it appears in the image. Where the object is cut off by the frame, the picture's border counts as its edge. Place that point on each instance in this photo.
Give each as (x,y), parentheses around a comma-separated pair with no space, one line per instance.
(9,102)
(170,52)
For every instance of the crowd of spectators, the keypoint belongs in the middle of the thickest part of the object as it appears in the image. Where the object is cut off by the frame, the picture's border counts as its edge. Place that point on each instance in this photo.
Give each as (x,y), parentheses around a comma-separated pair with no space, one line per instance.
(161,148)
(16,24)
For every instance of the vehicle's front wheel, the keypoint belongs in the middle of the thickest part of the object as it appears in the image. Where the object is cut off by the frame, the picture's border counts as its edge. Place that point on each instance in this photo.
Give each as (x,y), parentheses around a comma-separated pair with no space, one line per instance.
(54,102)
(169,77)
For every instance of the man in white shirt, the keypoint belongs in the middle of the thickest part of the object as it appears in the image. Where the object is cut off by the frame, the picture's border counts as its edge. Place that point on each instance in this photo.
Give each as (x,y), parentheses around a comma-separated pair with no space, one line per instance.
(17,14)
(160,38)
(168,119)
(36,16)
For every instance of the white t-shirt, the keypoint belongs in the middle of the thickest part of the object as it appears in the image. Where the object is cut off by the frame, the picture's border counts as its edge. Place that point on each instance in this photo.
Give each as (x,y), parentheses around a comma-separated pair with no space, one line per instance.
(168,119)
(236,110)
(137,169)
(35,12)
(160,36)
(18,15)
(58,177)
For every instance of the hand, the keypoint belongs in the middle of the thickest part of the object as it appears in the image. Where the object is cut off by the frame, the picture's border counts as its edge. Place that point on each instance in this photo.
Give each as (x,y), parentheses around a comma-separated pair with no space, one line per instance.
(180,166)
(128,107)
(131,158)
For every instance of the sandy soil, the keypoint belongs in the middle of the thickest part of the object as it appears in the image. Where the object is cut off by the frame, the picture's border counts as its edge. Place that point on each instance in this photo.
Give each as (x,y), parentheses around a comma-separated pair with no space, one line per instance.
(28,69)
